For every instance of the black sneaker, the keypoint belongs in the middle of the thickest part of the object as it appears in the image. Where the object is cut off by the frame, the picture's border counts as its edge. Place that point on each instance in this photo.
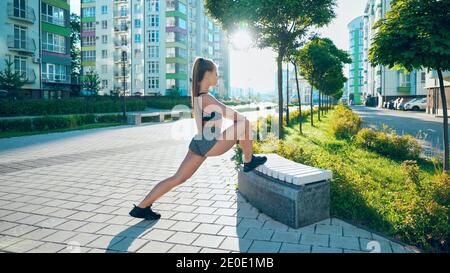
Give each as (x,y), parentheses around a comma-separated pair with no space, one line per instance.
(255,162)
(146,213)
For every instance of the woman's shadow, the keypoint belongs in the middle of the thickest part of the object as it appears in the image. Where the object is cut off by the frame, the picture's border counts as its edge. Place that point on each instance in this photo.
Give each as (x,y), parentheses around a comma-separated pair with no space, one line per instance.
(122,241)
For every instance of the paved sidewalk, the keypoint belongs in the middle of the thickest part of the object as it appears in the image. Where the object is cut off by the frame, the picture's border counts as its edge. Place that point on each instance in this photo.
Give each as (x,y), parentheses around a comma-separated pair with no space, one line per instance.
(72,191)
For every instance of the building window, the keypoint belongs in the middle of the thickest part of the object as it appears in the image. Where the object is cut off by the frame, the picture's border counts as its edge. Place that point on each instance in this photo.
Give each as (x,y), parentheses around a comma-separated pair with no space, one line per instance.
(154,51)
(20,37)
(154,36)
(88,12)
(423,78)
(153,67)
(88,55)
(105,84)
(20,64)
(153,83)
(89,26)
(88,41)
(104,69)
(104,24)
(137,38)
(104,39)
(52,15)
(104,9)
(104,54)
(154,21)
(54,43)
(54,72)
(137,23)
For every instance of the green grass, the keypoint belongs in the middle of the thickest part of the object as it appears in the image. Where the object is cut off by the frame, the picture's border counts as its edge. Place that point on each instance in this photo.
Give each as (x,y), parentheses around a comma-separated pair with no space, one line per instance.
(83,127)
(369,189)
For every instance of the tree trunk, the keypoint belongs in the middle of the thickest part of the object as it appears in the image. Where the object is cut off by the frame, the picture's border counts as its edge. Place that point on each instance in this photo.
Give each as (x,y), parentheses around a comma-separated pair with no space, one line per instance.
(318,110)
(300,118)
(287,94)
(280,96)
(312,106)
(445,114)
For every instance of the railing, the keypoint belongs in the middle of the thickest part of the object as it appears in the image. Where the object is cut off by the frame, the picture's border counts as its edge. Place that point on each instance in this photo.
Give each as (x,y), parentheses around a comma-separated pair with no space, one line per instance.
(30,76)
(24,45)
(121,13)
(26,14)
(118,72)
(118,58)
(120,42)
(120,28)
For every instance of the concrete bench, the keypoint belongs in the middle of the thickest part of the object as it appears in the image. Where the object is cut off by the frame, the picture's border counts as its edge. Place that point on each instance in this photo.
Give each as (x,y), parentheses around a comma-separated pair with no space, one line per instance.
(136,118)
(291,193)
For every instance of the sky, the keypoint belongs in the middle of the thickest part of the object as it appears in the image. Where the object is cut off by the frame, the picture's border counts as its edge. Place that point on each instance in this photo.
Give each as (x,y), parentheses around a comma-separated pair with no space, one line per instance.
(257,68)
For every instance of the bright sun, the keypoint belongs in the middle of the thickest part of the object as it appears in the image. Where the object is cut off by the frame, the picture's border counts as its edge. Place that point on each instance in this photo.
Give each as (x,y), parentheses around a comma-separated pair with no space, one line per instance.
(242,40)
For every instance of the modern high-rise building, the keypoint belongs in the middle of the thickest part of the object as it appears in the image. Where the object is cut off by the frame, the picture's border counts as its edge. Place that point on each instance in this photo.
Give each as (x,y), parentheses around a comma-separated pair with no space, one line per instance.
(356,72)
(36,39)
(148,47)
(379,81)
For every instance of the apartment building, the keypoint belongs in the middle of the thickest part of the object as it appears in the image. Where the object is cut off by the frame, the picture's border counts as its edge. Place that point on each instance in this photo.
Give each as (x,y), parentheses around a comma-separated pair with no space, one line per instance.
(379,81)
(36,39)
(356,52)
(148,47)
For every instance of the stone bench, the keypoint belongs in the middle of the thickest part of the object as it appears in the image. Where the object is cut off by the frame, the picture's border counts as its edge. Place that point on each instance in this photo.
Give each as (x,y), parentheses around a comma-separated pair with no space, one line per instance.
(136,118)
(291,193)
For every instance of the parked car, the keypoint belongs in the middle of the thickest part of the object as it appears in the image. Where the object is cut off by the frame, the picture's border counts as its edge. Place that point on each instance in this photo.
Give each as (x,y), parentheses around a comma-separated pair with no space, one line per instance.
(419,104)
(401,105)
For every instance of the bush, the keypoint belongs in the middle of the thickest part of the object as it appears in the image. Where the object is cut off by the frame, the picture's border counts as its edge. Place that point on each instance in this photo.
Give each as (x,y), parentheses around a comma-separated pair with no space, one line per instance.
(55,122)
(393,146)
(346,124)
(68,106)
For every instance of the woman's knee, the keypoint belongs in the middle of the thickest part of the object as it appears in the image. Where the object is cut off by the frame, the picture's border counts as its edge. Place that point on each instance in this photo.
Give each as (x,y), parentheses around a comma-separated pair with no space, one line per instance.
(179,179)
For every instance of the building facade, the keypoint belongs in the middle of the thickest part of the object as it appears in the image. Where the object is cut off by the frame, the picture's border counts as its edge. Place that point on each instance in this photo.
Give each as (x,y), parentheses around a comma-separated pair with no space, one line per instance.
(379,81)
(37,40)
(148,47)
(356,68)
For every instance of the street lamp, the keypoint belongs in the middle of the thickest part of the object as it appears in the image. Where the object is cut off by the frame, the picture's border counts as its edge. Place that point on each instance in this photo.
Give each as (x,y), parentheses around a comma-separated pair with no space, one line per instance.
(124,59)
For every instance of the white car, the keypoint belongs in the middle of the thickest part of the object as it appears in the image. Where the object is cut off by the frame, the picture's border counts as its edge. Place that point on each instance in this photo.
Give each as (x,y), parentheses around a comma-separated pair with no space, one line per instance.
(417,105)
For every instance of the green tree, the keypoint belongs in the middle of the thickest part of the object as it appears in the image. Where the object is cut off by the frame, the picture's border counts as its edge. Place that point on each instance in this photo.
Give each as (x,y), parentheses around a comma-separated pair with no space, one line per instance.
(416,35)
(321,64)
(75,50)
(12,81)
(92,82)
(273,23)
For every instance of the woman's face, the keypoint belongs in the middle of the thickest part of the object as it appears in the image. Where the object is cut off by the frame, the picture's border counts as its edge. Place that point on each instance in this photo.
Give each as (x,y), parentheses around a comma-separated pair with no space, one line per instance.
(212,77)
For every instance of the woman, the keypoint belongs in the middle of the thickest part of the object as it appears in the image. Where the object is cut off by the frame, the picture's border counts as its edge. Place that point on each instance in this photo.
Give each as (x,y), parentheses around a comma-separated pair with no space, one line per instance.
(209,141)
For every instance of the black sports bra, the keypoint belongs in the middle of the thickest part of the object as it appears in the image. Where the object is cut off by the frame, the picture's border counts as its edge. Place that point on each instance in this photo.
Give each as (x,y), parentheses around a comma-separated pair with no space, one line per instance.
(213,116)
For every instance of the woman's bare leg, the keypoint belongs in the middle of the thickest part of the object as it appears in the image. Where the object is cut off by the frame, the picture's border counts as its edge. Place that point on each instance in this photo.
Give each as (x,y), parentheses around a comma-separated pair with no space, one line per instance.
(187,168)
(239,131)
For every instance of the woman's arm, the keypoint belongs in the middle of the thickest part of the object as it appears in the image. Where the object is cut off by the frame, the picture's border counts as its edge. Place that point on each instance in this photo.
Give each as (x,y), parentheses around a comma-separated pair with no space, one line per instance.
(211,104)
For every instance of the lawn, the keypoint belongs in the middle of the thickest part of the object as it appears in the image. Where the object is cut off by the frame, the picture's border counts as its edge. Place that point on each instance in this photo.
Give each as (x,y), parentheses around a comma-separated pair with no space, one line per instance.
(393,197)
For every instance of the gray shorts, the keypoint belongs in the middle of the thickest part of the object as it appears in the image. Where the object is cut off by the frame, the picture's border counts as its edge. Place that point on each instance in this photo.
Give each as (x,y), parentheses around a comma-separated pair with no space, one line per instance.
(202,146)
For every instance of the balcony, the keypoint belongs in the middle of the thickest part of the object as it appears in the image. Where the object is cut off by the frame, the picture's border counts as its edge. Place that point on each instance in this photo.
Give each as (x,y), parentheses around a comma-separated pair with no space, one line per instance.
(26,45)
(25,15)
(121,13)
(121,28)
(120,42)
(31,76)
(118,58)
(118,72)
(404,89)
